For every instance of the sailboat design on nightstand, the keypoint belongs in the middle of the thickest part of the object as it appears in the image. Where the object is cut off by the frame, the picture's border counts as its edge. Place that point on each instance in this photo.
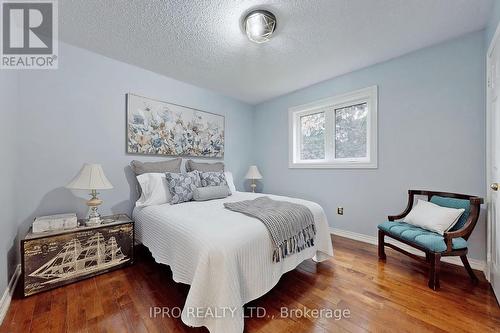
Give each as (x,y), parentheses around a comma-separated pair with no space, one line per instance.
(76,260)
(57,258)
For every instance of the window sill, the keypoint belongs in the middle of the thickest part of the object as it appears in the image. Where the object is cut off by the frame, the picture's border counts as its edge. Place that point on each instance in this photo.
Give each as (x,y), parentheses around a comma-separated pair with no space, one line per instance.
(346,165)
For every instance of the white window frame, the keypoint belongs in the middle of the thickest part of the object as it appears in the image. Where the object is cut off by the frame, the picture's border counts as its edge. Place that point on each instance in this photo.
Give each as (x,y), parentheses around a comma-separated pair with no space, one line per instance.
(367,95)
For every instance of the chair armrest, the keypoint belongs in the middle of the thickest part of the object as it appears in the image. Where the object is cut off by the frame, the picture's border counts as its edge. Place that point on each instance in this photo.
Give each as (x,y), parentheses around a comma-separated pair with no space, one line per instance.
(456,233)
(411,195)
(466,230)
(393,218)
(448,238)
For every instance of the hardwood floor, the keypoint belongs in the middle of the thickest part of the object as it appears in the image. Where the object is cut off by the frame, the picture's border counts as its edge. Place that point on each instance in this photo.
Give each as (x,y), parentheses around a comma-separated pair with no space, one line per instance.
(381,297)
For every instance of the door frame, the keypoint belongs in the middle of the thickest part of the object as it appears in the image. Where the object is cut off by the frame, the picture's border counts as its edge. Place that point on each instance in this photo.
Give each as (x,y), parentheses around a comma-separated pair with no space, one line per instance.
(495,42)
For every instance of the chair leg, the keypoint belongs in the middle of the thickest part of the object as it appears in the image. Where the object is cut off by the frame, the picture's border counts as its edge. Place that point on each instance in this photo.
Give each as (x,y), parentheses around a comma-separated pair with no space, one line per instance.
(381,245)
(435,261)
(473,276)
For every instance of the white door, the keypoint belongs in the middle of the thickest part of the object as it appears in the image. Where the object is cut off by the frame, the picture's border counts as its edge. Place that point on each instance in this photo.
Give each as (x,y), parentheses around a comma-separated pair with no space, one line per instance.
(493,129)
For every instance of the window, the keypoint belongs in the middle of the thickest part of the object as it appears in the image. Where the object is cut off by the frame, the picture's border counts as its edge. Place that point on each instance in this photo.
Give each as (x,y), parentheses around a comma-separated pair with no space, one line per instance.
(337,132)
(312,134)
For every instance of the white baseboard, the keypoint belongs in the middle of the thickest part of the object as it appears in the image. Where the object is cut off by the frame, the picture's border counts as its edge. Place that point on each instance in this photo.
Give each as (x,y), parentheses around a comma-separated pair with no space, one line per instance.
(7,295)
(487,271)
(475,264)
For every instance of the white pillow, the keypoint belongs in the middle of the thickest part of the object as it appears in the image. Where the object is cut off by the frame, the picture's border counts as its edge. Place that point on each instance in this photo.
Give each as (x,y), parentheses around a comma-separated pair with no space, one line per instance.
(154,189)
(432,217)
(230,181)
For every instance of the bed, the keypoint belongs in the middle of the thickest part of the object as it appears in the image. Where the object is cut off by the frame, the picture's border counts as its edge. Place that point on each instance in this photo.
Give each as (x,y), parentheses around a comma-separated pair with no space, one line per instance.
(223,255)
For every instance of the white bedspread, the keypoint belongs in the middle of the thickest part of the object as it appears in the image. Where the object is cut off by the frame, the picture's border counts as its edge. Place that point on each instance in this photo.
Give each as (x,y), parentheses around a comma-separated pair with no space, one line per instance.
(225,256)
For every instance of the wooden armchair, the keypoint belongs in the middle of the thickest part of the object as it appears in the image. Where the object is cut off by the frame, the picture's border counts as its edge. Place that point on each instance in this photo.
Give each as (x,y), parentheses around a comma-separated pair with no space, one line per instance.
(435,246)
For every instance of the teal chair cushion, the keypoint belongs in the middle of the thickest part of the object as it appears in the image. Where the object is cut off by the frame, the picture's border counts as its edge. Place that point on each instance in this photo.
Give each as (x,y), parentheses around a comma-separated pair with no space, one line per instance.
(454,203)
(424,238)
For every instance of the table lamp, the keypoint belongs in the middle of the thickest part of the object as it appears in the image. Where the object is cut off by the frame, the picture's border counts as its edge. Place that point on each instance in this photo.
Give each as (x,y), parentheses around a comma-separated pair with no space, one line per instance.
(91,177)
(253,174)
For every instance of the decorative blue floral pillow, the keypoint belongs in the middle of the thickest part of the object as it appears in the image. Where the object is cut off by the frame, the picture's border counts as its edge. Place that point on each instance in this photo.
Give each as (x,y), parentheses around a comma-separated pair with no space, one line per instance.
(212,178)
(181,185)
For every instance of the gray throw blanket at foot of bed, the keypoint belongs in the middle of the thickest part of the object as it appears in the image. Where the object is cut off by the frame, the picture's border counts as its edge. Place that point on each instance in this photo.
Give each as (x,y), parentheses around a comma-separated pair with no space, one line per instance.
(291,225)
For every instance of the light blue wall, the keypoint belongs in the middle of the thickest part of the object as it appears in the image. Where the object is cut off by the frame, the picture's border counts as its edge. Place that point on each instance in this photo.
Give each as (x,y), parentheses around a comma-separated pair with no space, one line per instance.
(493,22)
(431,136)
(8,139)
(76,114)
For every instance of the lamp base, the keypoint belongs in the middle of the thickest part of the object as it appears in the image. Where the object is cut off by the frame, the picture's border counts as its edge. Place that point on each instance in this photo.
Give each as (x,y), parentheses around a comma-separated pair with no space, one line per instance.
(94,216)
(253,186)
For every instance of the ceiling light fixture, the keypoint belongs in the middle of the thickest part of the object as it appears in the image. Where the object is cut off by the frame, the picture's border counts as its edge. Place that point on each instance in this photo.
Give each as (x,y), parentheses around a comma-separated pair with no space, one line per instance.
(260,25)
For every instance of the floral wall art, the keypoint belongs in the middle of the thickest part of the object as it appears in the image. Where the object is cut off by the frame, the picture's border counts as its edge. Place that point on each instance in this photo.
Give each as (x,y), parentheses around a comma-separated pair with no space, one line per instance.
(160,128)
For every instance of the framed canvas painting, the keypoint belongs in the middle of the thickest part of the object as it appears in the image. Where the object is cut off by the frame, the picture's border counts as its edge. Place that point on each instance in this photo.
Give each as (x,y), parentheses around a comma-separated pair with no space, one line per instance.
(160,128)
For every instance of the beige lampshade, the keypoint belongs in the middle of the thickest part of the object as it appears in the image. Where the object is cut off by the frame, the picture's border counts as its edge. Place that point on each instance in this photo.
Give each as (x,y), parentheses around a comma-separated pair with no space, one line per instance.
(253,173)
(90,177)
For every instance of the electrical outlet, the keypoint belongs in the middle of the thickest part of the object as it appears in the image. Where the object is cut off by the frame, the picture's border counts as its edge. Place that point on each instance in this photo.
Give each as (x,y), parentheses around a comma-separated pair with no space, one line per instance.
(340,210)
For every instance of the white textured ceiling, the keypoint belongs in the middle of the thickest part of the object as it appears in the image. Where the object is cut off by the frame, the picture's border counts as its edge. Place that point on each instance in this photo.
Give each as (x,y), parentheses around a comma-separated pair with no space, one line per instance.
(201,41)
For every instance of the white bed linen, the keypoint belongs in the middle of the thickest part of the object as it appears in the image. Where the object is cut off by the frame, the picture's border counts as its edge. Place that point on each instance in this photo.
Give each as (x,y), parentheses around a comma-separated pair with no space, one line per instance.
(223,255)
